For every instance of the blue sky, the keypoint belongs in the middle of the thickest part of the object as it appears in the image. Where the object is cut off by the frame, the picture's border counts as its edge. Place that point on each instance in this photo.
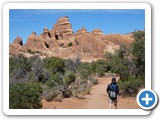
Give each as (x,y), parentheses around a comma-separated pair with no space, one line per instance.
(23,21)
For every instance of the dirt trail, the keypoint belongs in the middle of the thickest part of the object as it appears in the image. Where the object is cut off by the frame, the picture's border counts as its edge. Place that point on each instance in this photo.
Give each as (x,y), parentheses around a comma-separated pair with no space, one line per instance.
(97,99)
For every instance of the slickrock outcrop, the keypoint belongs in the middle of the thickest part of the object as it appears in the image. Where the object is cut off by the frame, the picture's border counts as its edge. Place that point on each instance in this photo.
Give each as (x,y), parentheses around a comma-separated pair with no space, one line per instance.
(88,46)
(118,39)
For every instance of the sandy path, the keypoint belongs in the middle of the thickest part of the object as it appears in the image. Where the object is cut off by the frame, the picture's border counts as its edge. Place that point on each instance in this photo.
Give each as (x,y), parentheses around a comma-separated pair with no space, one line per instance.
(97,99)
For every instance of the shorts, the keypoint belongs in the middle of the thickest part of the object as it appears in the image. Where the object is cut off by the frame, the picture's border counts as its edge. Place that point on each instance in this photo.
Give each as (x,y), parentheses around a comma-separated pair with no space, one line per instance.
(112,101)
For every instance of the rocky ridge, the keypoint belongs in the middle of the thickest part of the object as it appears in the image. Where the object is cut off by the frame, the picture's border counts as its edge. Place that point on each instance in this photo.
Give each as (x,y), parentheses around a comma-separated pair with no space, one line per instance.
(62,42)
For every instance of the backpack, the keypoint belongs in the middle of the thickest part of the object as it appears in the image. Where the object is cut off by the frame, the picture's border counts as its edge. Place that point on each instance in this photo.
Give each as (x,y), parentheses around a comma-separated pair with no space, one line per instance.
(112,93)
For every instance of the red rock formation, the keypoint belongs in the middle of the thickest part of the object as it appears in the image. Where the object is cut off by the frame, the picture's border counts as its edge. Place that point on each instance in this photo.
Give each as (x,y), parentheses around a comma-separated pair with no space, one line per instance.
(62,42)
(88,46)
(34,43)
(118,39)
(18,40)
(97,32)
(81,31)
(62,29)
(15,48)
(45,34)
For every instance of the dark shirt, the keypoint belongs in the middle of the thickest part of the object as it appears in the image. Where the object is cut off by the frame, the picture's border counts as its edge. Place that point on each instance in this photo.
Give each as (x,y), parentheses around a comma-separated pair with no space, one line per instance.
(109,88)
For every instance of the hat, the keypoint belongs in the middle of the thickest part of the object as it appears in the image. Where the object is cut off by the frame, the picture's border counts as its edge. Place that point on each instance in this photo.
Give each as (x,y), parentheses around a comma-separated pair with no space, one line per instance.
(113,79)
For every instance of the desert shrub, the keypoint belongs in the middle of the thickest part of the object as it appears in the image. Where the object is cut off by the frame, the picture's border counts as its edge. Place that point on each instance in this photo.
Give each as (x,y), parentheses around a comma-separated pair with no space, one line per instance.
(67,93)
(93,67)
(18,68)
(131,85)
(54,80)
(86,91)
(139,35)
(27,70)
(72,65)
(84,70)
(138,51)
(18,62)
(55,64)
(84,73)
(38,71)
(80,86)
(118,65)
(60,83)
(50,94)
(25,96)
(70,44)
(93,80)
(99,67)
(69,78)
(100,70)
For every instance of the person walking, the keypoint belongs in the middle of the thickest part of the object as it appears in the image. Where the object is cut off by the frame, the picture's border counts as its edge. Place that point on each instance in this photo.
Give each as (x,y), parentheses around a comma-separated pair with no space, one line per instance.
(113,93)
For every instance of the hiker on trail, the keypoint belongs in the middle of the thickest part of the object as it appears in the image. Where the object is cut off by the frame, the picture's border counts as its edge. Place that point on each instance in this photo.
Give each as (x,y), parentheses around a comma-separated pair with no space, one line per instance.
(113,92)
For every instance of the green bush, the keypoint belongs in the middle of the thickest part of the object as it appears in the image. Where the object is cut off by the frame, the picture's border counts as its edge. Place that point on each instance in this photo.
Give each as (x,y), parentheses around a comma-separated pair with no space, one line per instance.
(84,70)
(38,71)
(55,75)
(18,69)
(69,78)
(131,85)
(71,65)
(139,35)
(18,62)
(28,70)
(25,96)
(54,80)
(99,67)
(70,44)
(100,71)
(55,64)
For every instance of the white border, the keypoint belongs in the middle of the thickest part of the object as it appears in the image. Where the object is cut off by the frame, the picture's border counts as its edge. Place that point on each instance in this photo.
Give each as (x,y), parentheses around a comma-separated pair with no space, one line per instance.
(8,6)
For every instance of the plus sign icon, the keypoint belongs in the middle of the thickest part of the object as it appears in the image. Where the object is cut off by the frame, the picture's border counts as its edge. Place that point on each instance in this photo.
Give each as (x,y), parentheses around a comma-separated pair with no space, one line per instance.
(147,99)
